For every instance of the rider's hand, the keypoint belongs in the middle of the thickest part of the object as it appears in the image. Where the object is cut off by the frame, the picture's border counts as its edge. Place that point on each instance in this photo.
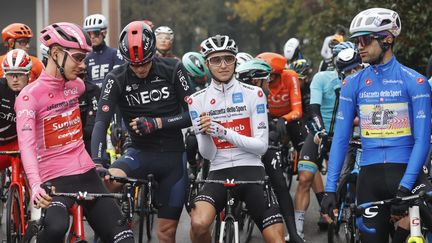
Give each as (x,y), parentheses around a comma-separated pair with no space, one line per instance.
(400,209)
(217,130)
(40,198)
(319,136)
(144,125)
(201,124)
(329,206)
(281,127)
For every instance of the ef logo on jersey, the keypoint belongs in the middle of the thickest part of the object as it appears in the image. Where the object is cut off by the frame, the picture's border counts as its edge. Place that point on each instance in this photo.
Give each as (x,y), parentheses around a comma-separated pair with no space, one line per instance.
(99,71)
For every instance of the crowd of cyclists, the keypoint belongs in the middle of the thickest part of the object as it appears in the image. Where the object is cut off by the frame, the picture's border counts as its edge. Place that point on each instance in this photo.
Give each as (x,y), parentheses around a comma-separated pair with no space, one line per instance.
(161,113)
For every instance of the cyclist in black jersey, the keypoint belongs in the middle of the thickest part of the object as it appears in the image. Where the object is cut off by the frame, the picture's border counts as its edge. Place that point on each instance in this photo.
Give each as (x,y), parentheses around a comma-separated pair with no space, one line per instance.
(150,93)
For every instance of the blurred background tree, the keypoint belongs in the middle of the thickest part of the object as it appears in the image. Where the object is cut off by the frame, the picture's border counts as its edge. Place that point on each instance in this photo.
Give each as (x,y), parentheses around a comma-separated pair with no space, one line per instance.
(265,25)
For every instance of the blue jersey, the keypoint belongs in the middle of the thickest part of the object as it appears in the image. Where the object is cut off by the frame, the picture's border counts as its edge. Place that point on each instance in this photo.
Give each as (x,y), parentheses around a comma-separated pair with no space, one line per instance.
(323,92)
(394,105)
(100,62)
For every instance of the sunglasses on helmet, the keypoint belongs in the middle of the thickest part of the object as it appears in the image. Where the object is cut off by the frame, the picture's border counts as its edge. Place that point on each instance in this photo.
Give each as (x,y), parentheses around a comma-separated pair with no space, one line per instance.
(217,60)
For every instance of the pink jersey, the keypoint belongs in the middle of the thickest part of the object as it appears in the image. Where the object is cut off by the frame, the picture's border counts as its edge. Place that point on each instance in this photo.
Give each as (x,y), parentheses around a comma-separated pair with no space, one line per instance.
(49,129)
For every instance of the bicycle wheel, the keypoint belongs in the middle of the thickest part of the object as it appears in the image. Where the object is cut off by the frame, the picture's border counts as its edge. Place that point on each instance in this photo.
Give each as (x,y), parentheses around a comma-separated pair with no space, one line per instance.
(250,224)
(332,232)
(13,216)
(229,231)
(31,233)
(141,213)
(149,224)
(3,193)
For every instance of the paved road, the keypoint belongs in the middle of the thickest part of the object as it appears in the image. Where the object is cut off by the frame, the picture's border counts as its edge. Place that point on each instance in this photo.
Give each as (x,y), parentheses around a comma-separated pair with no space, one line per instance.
(313,235)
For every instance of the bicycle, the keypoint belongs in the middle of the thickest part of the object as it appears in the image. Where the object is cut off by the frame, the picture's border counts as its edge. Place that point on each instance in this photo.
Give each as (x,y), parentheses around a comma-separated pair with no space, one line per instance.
(346,196)
(76,232)
(227,224)
(416,212)
(145,206)
(18,198)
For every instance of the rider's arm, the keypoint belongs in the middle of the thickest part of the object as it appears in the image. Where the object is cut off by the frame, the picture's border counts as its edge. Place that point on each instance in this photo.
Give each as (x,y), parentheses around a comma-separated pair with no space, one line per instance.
(25,107)
(183,90)
(315,116)
(258,142)
(419,93)
(106,107)
(294,96)
(316,97)
(206,146)
(343,131)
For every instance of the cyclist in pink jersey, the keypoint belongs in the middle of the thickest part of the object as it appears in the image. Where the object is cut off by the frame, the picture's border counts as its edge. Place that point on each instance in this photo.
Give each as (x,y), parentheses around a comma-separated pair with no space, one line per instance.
(50,138)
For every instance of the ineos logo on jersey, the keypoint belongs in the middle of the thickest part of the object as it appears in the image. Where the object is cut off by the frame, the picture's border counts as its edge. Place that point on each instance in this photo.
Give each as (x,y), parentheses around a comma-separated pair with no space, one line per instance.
(99,71)
(183,80)
(147,96)
(369,213)
(8,117)
(107,89)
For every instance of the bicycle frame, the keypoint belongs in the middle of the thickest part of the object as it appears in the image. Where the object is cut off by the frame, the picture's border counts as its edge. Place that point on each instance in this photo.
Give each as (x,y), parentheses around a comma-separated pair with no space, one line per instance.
(414,214)
(229,208)
(18,179)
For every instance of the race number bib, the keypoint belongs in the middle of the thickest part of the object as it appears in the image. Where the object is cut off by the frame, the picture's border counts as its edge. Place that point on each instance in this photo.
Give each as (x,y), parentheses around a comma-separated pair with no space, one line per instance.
(385,120)
(62,129)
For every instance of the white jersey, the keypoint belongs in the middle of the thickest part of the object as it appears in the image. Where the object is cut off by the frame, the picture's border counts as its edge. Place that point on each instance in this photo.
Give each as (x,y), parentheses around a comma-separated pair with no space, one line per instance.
(242,109)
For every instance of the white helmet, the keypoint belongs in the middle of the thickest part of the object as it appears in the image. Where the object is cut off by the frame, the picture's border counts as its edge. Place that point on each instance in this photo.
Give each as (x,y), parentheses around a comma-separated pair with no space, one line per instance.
(16,60)
(164,30)
(375,20)
(95,22)
(290,48)
(218,43)
(243,57)
(44,50)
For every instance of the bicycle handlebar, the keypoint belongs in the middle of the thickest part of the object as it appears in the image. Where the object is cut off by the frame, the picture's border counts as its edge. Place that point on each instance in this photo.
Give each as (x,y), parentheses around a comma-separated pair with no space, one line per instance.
(360,209)
(126,179)
(85,196)
(10,152)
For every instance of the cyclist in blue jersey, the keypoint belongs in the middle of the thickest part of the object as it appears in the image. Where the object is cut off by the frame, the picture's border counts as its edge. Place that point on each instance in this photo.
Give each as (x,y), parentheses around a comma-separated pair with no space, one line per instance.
(103,58)
(393,104)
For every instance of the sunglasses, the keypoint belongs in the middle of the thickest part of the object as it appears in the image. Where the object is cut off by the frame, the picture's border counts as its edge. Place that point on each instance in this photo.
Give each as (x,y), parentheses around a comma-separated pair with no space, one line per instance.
(23,41)
(365,40)
(77,57)
(140,64)
(96,33)
(217,60)
(16,75)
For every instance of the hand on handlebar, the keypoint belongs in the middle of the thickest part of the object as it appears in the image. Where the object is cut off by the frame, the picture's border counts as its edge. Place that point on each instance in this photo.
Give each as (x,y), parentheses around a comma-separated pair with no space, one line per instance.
(40,197)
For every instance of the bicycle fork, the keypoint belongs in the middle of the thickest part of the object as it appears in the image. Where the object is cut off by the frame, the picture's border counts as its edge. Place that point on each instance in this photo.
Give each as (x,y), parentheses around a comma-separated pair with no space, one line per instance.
(236,232)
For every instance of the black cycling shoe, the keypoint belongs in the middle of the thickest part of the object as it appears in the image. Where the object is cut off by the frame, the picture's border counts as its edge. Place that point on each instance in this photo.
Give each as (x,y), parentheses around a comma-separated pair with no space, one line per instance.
(322,224)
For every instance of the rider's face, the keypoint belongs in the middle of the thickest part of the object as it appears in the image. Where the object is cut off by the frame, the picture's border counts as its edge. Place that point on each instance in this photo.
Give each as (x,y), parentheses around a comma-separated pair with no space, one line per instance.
(75,62)
(141,70)
(221,65)
(163,42)
(17,81)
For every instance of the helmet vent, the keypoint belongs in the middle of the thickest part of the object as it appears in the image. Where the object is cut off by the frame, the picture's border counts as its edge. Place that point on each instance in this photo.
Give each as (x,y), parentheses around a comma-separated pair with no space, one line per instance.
(370,20)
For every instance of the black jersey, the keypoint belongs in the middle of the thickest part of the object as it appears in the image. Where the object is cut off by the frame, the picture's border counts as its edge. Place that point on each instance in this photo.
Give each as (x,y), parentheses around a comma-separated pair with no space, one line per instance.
(163,93)
(7,113)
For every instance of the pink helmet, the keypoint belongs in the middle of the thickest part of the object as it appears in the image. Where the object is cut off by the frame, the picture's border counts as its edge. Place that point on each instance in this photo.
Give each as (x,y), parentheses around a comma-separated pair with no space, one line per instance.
(67,35)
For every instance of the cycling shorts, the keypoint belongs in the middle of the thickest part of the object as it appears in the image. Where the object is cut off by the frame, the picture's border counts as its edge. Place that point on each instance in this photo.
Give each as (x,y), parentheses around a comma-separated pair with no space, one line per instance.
(253,195)
(5,160)
(169,170)
(308,155)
